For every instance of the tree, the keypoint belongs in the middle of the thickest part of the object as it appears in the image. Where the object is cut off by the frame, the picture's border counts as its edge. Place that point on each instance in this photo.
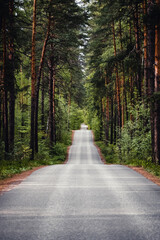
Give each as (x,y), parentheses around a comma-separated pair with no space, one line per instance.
(59,26)
(38,81)
(11,77)
(157,89)
(33,81)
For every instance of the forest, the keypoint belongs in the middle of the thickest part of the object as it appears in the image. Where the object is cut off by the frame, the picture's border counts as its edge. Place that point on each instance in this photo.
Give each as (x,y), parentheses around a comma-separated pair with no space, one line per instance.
(63,63)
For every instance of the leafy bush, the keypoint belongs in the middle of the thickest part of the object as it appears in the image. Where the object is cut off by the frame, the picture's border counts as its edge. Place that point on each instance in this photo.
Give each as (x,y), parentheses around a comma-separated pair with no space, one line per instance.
(108,151)
(95,126)
(21,160)
(135,142)
(76,117)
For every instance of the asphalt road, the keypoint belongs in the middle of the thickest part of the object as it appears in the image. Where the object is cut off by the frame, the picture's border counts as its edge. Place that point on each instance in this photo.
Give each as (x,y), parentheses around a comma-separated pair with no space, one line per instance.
(82,200)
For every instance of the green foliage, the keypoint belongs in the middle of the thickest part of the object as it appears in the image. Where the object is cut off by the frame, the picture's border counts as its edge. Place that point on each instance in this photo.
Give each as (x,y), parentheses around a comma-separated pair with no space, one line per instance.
(46,156)
(76,117)
(95,126)
(151,167)
(109,152)
(135,141)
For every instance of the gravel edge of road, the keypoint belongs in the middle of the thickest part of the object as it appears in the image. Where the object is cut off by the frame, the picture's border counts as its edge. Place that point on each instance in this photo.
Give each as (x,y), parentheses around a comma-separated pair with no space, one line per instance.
(9,183)
(146,174)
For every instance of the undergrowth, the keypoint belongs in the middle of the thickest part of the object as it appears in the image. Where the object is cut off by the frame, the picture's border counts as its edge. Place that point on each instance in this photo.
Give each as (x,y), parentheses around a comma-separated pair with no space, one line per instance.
(21,162)
(111,155)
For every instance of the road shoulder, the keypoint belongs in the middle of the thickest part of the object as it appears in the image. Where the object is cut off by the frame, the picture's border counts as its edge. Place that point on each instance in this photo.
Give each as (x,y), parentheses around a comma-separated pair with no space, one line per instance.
(9,183)
(146,174)
(140,170)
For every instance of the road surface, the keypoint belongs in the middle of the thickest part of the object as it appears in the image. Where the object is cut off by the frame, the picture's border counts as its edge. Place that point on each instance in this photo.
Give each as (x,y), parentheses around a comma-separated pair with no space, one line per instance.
(82,200)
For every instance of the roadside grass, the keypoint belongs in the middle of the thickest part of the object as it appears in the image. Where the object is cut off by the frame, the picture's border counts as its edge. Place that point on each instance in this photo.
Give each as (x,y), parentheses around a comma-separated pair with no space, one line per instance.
(111,156)
(108,152)
(21,161)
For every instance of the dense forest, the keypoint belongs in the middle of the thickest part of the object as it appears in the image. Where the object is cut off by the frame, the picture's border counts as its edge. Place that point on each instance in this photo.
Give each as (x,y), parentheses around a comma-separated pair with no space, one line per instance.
(41,78)
(67,62)
(123,85)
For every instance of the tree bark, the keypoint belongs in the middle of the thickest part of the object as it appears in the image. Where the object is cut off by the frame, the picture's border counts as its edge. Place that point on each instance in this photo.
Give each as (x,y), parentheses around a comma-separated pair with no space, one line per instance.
(11,78)
(117,80)
(33,82)
(131,85)
(52,129)
(131,93)
(124,97)
(50,64)
(107,119)
(69,102)
(5,93)
(54,119)
(101,120)
(145,50)
(115,121)
(42,102)
(69,108)
(150,65)
(156,90)
(107,112)
(138,49)
(1,94)
(38,82)
(111,136)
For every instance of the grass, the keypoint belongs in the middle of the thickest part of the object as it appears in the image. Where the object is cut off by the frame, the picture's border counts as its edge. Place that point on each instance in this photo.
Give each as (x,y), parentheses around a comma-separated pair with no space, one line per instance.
(112,157)
(46,156)
(108,152)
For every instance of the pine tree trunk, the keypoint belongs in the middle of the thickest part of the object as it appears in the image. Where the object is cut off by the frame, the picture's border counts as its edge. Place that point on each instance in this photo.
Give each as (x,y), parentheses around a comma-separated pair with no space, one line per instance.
(38,83)
(115,122)
(11,78)
(33,82)
(22,102)
(131,93)
(0,119)
(50,64)
(101,120)
(145,50)
(104,116)
(69,103)
(5,93)
(156,90)
(111,131)
(1,94)
(150,65)
(124,98)
(126,103)
(52,128)
(42,102)
(138,48)
(69,108)
(107,119)
(107,112)
(6,122)
(54,120)
(117,85)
